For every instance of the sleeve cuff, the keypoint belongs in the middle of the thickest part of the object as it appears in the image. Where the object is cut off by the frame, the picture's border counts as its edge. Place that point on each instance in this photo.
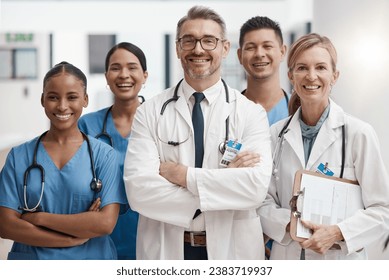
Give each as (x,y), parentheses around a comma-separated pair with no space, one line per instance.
(191,182)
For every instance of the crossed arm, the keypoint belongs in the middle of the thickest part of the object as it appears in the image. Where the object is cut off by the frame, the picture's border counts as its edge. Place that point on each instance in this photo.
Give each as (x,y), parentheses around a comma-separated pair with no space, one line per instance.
(58,230)
(176,173)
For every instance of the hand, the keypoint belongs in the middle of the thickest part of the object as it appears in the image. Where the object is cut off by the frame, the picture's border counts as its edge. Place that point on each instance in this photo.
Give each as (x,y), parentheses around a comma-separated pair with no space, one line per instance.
(173,172)
(323,237)
(95,207)
(245,159)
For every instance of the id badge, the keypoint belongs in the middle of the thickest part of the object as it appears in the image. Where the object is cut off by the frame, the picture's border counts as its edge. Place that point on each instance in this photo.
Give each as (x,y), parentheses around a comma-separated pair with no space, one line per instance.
(232,149)
(323,169)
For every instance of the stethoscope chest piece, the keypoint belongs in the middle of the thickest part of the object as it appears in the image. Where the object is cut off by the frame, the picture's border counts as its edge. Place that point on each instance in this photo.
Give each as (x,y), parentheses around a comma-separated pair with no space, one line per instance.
(222,146)
(96,185)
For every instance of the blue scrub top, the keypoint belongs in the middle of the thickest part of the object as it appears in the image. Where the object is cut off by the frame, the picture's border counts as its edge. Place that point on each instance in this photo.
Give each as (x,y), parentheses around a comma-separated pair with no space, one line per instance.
(278,112)
(67,191)
(124,234)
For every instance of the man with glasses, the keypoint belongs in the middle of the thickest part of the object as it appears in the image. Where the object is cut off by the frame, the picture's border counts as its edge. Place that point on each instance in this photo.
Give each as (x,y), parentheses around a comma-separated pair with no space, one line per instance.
(195,200)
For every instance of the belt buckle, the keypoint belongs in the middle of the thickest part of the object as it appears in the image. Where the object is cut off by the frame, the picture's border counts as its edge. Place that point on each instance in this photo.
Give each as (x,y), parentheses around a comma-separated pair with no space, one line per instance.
(192,235)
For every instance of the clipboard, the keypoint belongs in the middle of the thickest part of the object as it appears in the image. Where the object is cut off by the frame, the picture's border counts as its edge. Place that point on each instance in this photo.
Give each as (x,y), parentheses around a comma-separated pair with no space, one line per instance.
(321,199)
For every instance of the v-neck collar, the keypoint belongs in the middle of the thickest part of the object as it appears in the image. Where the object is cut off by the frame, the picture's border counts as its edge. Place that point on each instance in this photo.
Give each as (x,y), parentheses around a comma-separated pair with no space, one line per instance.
(68,163)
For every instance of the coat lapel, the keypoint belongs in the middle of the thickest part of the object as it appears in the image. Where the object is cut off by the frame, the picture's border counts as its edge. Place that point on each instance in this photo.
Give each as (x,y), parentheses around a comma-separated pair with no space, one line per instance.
(216,129)
(327,134)
(183,110)
(294,138)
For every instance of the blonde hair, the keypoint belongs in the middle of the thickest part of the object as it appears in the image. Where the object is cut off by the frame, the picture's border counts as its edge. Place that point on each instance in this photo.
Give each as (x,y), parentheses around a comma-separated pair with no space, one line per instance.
(308,41)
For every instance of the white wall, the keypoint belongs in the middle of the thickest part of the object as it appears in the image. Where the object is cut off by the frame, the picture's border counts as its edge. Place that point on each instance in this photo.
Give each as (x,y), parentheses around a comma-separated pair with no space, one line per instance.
(362,41)
(359,31)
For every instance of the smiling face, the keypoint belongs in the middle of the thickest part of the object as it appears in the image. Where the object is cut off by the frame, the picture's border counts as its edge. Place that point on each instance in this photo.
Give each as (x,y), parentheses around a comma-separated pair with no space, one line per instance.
(261,53)
(125,75)
(313,76)
(63,99)
(199,64)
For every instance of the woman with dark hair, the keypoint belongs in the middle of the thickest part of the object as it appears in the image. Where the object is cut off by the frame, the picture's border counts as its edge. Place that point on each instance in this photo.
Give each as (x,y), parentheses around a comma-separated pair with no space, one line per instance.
(125,72)
(59,195)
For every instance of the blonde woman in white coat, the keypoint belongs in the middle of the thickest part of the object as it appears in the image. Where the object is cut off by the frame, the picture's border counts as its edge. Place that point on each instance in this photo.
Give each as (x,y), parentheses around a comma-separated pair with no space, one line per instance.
(315,136)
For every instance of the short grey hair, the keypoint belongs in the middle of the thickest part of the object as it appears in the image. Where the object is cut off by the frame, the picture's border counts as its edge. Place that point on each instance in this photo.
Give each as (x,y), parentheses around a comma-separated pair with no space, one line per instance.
(201,12)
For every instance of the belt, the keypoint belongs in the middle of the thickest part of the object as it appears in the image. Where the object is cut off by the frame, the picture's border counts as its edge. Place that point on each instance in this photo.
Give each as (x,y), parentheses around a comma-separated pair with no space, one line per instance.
(195,238)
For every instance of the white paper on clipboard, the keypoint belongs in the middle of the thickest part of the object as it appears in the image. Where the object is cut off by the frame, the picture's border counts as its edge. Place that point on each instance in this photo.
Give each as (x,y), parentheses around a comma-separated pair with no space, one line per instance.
(326,200)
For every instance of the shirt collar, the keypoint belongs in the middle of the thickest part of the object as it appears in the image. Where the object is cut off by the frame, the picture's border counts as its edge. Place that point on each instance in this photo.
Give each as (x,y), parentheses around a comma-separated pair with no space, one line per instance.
(211,94)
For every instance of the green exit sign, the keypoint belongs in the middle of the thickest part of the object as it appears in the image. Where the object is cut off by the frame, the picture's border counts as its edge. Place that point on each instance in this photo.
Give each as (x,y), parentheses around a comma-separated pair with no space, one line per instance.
(19,37)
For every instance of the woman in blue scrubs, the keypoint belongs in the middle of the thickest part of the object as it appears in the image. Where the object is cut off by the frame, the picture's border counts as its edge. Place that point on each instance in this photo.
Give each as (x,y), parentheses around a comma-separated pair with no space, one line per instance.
(74,216)
(126,73)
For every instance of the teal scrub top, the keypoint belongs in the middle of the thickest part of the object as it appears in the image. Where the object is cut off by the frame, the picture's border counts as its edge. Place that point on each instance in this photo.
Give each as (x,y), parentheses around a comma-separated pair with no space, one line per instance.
(279,111)
(124,234)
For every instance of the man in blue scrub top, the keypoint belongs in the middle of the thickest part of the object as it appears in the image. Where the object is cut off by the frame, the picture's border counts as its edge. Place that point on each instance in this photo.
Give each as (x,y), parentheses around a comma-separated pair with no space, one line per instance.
(126,73)
(261,51)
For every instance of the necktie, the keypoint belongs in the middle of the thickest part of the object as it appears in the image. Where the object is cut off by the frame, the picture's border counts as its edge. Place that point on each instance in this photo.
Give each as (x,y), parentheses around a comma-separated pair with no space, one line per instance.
(198,127)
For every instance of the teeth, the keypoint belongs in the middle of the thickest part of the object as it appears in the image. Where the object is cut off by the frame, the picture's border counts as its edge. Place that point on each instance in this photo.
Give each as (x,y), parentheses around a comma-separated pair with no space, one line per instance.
(199,60)
(63,117)
(312,87)
(125,85)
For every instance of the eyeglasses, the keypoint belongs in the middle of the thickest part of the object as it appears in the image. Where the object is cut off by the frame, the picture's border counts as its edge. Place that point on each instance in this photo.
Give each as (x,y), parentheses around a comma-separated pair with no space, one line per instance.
(208,43)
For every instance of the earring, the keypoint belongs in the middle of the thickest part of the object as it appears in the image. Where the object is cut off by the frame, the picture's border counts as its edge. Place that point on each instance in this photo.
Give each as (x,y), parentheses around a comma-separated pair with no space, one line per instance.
(143,86)
(107,87)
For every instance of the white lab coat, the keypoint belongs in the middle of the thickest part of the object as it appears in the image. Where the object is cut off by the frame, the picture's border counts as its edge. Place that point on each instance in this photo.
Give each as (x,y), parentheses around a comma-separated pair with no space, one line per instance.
(363,163)
(228,197)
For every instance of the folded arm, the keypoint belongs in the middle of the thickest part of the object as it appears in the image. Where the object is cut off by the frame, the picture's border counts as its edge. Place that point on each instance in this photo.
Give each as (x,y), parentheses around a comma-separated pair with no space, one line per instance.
(83,225)
(13,227)
(176,173)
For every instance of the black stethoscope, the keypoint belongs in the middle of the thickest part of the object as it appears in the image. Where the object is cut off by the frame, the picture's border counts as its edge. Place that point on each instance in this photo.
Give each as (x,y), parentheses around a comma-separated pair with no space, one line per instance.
(104,132)
(279,146)
(222,145)
(96,185)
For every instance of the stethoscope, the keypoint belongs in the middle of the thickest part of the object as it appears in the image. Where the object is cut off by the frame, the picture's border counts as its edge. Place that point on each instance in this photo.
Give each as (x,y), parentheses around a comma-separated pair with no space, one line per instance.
(279,146)
(104,132)
(222,145)
(96,184)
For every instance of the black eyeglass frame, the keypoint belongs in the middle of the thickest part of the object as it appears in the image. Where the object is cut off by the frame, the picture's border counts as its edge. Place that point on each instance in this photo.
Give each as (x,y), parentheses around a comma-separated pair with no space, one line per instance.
(179,41)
